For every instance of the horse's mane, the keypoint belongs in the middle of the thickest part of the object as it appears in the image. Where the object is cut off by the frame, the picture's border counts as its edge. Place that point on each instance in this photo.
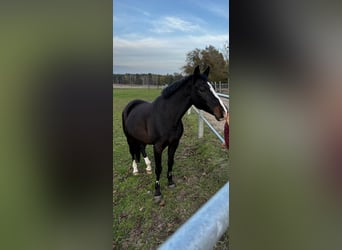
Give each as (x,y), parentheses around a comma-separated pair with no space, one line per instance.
(173,87)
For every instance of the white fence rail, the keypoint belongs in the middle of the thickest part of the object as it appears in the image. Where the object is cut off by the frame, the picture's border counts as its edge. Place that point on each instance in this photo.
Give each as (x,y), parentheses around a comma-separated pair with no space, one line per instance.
(209,223)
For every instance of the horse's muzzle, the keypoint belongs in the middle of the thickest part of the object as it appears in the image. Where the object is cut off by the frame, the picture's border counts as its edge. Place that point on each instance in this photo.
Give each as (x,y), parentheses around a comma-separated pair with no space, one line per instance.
(219,113)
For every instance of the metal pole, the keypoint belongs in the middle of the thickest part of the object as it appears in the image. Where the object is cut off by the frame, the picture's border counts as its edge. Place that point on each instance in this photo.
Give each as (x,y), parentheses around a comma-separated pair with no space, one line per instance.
(205,227)
(228,86)
(200,124)
(223,95)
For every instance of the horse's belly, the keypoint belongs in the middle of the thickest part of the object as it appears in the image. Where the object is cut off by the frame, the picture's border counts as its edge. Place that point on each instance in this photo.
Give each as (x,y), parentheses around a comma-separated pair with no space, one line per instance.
(139,132)
(141,136)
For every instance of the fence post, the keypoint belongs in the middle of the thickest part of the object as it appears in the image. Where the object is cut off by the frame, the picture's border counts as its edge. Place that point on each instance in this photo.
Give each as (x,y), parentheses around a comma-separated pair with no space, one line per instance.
(220,84)
(200,124)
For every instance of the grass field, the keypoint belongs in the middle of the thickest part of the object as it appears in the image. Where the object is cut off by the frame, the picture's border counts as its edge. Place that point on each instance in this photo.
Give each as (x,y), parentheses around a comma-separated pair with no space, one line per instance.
(201,168)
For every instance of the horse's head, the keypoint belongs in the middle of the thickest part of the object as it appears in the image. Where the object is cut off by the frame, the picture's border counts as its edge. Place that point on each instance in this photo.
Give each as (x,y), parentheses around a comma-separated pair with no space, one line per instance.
(204,97)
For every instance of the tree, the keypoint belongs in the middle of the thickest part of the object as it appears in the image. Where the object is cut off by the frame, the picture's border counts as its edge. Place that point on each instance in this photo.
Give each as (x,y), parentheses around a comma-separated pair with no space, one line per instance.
(209,56)
(226,55)
(225,51)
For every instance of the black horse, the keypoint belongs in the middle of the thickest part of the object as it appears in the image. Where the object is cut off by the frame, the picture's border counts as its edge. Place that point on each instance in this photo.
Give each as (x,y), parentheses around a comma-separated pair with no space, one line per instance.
(160,123)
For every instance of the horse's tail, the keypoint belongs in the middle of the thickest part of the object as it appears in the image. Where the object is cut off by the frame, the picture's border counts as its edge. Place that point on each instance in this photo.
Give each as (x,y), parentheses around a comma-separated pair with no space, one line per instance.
(134,145)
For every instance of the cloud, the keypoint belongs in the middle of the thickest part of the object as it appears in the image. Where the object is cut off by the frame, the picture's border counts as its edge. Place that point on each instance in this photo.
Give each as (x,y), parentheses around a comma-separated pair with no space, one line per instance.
(158,55)
(152,39)
(130,8)
(169,24)
(219,9)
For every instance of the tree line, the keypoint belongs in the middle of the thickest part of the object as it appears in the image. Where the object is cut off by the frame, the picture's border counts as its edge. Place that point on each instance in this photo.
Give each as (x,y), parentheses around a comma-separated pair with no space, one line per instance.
(146,79)
(210,56)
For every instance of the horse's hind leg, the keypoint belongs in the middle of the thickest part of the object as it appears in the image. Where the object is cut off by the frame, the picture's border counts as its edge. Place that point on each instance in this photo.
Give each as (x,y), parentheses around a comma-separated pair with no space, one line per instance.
(171,154)
(147,161)
(135,167)
(133,151)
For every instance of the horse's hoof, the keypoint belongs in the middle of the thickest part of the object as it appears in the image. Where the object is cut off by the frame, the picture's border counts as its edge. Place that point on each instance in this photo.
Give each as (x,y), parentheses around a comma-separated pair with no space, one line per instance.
(148,171)
(162,203)
(157,199)
(135,173)
(173,185)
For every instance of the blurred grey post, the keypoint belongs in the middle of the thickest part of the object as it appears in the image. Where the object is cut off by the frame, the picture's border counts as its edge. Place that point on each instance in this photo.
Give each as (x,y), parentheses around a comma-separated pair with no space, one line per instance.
(200,124)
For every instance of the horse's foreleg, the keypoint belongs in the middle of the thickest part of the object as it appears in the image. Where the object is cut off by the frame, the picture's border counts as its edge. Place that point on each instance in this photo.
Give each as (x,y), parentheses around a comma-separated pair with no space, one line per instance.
(157,150)
(171,154)
(147,161)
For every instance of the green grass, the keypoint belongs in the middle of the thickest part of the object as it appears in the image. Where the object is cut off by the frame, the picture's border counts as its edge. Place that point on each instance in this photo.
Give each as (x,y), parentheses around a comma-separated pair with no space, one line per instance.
(200,169)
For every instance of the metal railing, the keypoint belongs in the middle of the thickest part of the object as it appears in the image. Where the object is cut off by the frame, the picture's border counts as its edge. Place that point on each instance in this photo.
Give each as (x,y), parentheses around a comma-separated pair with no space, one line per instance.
(208,224)
(205,227)
(202,119)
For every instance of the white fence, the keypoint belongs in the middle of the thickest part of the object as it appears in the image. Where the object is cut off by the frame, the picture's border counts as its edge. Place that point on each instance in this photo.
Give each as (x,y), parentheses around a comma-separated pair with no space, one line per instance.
(221,87)
(209,223)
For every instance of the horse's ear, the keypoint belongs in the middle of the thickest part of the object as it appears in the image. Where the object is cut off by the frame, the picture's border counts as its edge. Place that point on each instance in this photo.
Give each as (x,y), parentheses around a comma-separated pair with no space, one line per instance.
(206,72)
(197,70)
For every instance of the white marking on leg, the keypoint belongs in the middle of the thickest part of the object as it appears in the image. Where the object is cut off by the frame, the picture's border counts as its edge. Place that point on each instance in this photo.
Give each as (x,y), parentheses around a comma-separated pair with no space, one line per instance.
(218,98)
(148,165)
(135,168)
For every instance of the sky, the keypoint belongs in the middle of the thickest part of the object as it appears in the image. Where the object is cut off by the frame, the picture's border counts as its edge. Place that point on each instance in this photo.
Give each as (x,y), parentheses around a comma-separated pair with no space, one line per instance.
(153,36)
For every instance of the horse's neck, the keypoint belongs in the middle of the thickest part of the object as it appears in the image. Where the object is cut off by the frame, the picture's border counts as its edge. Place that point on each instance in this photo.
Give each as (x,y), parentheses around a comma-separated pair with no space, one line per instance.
(178,104)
